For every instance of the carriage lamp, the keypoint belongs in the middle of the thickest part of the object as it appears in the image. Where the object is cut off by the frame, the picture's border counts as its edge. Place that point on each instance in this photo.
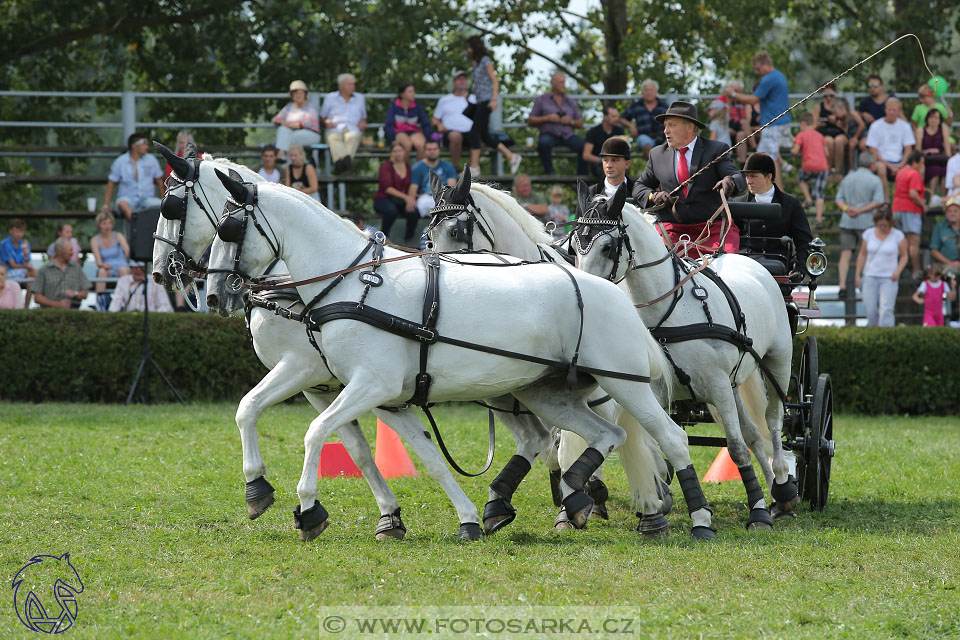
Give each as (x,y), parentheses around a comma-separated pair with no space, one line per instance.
(816,259)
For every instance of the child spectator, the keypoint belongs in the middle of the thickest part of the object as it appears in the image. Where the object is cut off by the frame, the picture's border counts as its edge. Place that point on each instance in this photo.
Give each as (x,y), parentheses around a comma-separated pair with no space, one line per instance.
(268,158)
(65,230)
(11,296)
(719,122)
(111,251)
(931,293)
(812,147)
(15,251)
(557,212)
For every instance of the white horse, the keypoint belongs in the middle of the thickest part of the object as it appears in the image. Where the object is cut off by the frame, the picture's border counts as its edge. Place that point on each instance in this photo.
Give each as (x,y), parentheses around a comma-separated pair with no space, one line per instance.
(191,208)
(479,337)
(492,220)
(614,240)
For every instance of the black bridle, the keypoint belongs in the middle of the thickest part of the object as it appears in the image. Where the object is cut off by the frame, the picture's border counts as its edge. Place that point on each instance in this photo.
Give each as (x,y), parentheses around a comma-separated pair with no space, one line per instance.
(463,231)
(234,230)
(174,208)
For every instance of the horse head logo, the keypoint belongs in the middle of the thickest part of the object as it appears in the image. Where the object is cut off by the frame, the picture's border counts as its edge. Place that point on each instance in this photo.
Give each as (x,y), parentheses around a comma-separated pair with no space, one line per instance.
(45,593)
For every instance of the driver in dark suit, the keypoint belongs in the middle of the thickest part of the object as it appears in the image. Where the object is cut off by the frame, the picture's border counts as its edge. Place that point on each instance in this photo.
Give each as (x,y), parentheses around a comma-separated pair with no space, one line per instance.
(673,162)
(760,170)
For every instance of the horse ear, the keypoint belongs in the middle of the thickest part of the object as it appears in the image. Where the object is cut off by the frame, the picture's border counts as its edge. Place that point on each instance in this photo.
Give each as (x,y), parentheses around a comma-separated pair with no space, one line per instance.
(190,150)
(615,206)
(236,176)
(180,166)
(436,186)
(462,191)
(583,196)
(234,187)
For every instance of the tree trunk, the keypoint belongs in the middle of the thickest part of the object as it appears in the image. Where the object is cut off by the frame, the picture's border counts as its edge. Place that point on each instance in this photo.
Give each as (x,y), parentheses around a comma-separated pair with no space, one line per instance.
(615,29)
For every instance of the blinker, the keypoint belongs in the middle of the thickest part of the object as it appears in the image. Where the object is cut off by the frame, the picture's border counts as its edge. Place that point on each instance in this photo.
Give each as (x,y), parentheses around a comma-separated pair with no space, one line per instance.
(230,230)
(174,208)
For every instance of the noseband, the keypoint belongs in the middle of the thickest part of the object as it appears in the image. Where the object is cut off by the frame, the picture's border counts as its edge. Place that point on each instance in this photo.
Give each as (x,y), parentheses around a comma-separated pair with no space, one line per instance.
(234,230)
(174,208)
(463,231)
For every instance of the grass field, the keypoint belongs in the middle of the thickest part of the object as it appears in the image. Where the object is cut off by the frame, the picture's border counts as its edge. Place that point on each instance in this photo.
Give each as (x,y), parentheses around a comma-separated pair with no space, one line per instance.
(149,503)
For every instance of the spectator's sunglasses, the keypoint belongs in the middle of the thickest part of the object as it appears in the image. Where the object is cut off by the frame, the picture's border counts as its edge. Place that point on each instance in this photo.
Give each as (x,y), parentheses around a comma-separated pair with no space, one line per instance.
(874,85)
(829,95)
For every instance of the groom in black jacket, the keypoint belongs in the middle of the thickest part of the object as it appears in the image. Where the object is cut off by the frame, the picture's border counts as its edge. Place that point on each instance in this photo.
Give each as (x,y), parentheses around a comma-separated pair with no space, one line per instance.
(684,153)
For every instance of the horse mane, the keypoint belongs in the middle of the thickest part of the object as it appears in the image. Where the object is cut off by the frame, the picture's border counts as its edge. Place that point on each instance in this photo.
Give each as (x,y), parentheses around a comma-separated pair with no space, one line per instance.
(230,164)
(314,206)
(644,215)
(531,227)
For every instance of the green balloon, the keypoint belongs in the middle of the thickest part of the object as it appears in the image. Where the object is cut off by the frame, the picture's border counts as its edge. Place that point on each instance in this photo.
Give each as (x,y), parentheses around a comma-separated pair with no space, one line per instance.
(938,84)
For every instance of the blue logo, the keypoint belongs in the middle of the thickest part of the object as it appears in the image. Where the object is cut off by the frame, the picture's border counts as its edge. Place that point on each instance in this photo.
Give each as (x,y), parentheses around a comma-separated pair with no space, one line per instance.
(45,593)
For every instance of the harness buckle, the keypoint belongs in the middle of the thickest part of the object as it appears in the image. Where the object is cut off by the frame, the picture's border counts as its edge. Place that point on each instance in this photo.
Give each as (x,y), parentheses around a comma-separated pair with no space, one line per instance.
(426,335)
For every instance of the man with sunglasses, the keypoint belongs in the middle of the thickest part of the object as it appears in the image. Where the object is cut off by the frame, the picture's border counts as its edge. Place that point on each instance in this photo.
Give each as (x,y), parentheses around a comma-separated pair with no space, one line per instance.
(873,107)
(137,176)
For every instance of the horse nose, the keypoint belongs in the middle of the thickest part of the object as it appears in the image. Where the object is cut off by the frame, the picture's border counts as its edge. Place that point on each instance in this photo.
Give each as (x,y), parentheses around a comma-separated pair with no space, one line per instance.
(211,300)
(158,277)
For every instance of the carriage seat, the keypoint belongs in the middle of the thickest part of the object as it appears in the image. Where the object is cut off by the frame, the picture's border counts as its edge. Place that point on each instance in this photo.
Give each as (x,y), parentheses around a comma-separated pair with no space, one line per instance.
(757,240)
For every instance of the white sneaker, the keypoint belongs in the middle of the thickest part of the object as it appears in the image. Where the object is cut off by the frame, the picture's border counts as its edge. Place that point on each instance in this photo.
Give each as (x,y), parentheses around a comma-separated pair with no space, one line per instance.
(515,163)
(474,172)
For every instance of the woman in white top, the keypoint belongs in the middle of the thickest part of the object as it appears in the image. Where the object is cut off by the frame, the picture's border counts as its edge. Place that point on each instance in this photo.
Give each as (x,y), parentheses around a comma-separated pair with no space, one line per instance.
(882,257)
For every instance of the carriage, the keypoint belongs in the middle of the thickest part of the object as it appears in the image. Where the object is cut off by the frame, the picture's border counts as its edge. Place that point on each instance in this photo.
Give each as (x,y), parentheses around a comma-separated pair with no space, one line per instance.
(808,423)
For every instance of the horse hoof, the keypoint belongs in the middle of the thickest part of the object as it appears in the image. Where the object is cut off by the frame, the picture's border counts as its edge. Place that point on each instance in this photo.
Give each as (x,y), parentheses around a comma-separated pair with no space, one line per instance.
(599,512)
(497,514)
(704,533)
(759,526)
(562,523)
(258,507)
(259,497)
(310,522)
(469,531)
(789,506)
(578,506)
(653,526)
(778,513)
(390,527)
(759,520)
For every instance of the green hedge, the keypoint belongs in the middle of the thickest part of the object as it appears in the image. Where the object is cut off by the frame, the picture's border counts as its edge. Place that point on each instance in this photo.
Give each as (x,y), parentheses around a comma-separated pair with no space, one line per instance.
(85,356)
(81,356)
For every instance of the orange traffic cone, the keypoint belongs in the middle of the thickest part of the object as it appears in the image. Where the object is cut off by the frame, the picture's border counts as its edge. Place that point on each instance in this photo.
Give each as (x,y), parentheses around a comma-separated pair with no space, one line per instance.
(722,469)
(335,461)
(391,456)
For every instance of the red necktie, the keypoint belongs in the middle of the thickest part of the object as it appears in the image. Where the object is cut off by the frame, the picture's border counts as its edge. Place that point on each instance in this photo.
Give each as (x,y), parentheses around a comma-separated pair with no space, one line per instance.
(683,171)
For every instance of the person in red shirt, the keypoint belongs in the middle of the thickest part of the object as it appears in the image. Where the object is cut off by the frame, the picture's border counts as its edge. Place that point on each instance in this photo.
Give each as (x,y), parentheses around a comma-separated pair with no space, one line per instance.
(909,206)
(814,169)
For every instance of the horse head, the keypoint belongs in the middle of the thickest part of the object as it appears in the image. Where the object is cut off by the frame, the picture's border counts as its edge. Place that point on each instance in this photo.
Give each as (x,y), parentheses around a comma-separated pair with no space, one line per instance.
(455,213)
(599,231)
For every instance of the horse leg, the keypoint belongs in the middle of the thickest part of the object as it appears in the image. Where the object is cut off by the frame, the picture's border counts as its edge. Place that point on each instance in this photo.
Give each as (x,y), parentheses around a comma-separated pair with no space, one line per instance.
(283,381)
(409,427)
(754,437)
(640,402)
(784,489)
(532,439)
(363,393)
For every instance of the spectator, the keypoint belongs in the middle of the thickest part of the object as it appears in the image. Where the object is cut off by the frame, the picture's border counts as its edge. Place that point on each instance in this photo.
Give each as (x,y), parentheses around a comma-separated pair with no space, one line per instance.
(931,293)
(739,115)
(933,140)
(407,122)
(183,137)
(909,206)
(772,97)
(616,161)
(11,296)
(860,193)
(926,103)
(833,130)
(393,198)
(852,123)
(882,256)
(111,251)
(65,230)
(59,282)
(641,117)
(873,107)
(449,118)
(486,87)
(952,181)
(557,115)
(812,148)
(558,213)
(420,180)
(15,251)
(128,296)
(268,158)
(136,176)
(945,245)
(529,199)
(344,114)
(298,122)
(719,122)
(891,140)
(597,136)
(300,175)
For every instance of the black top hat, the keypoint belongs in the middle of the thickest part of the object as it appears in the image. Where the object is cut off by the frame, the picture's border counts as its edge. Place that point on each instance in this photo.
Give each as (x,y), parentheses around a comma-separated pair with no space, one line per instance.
(760,163)
(682,109)
(616,146)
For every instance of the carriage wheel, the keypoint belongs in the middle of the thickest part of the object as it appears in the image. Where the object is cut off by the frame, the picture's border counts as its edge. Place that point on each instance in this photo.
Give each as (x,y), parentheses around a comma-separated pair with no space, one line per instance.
(818,447)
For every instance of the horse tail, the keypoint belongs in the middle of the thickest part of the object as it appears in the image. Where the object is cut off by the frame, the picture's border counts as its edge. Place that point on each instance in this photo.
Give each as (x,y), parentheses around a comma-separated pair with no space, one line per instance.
(660,368)
(637,457)
(753,393)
